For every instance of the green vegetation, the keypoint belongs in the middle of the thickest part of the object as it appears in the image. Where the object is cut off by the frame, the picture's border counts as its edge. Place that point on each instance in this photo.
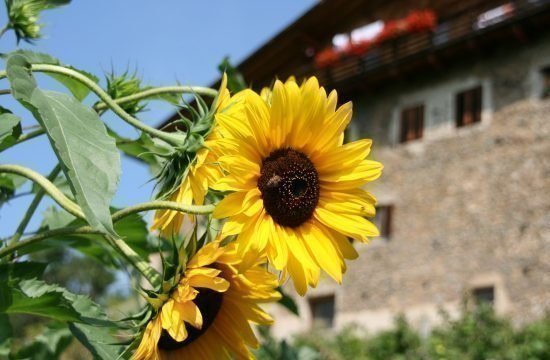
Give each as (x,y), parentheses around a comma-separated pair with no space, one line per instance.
(477,335)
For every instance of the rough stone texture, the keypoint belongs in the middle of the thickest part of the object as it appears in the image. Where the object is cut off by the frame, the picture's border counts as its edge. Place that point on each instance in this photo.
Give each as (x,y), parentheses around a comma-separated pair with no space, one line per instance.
(472,205)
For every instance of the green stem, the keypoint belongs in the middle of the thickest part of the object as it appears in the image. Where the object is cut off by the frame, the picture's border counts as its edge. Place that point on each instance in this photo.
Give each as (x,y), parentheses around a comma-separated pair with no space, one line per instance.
(4,29)
(141,265)
(28,136)
(33,206)
(5,91)
(159,91)
(168,205)
(5,251)
(173,139)
(134,259)
(48,187)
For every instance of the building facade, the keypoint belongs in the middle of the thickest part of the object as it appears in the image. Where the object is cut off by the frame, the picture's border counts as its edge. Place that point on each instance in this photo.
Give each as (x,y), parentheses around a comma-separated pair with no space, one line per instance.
(456,96)
(460,118)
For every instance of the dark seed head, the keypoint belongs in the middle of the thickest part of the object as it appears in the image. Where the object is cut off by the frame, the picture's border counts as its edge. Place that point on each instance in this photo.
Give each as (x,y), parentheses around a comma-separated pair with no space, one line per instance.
(209,303)
(289,184)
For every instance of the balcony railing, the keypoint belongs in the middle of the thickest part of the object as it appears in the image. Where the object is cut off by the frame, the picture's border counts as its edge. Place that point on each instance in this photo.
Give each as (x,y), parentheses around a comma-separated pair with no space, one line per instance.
(448,33)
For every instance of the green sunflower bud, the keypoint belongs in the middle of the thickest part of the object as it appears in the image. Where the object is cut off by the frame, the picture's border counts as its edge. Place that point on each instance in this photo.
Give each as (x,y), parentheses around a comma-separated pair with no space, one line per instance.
(126,84)
(24,15)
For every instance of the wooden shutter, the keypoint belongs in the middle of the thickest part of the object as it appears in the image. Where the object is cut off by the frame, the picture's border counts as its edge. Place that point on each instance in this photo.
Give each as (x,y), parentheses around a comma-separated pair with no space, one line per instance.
(412,123)
(469,106)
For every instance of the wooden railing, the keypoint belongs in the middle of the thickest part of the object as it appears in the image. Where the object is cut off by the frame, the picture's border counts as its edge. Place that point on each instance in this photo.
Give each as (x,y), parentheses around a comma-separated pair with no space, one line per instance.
(448,32)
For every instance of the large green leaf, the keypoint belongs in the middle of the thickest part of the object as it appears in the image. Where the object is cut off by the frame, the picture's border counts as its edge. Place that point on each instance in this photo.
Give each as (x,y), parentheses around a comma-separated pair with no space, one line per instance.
(79,138)
(6,333)
(48,345)
(79,90)
(21,270)
(35,297)
(133,229)
(98,341)
(10,128)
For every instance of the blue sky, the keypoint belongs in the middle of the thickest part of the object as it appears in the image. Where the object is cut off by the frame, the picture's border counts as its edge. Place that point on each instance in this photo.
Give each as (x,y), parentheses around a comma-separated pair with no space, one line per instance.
(167,41)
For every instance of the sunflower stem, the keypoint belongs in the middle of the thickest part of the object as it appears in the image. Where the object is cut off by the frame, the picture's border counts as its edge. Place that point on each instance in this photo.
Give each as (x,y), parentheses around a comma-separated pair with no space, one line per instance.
(73,230)
(159,91)
(48,187)
(173,139)
(164,205)
(118,244)
(141,265)
(4,29)
(33,206)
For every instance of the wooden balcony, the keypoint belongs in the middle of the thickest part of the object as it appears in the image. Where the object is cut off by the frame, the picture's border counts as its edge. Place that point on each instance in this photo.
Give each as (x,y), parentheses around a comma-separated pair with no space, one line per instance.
(454,39)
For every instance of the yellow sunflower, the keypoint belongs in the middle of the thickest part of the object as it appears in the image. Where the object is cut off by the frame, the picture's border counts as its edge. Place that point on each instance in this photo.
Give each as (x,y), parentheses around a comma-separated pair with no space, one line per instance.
(208,314)
(203,172)
(295,187)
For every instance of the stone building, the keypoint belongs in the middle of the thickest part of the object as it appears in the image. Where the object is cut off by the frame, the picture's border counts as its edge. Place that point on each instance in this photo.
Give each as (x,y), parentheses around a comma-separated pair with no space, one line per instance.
(460,118)
(458,106)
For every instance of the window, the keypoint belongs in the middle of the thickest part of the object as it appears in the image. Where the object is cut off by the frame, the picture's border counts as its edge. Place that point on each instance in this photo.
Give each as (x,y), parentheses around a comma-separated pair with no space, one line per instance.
(322,311)
(468,107)
(383,220)
(546,82)
(412,123)
(484,295)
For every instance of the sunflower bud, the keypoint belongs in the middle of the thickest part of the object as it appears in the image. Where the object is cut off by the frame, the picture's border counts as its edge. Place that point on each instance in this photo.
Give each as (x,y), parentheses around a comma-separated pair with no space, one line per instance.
(126,84)
(24,15)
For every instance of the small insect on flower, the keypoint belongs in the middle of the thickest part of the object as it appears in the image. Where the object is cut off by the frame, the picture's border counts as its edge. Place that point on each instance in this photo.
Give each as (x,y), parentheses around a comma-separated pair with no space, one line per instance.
(208,314)
(296,189)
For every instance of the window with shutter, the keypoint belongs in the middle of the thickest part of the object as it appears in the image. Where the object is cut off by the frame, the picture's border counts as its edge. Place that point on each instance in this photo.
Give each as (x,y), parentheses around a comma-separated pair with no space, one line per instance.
(322,311)
(545,82)
(468,107)
(383,220)
(412,123)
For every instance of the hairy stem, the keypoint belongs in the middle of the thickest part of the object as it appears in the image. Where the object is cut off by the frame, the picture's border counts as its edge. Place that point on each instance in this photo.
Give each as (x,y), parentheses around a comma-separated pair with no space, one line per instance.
(33,206)
(173,139)
(48,187)
(159,91)
(168,205)
(29,135)
(140,264)
(4,29)
(73,230)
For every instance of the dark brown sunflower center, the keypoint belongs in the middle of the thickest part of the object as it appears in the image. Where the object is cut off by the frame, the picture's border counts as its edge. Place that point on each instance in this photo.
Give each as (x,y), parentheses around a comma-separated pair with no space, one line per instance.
(209,303)
(289,184)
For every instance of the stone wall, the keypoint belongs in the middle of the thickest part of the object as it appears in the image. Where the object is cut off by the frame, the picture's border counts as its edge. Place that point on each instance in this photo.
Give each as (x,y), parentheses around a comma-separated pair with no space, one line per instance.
(471,205)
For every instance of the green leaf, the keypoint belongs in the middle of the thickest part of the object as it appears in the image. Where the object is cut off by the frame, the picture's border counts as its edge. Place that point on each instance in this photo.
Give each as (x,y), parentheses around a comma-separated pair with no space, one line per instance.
(145,149)
(53,218)
(97,340)
(235,80)
(22,270)
(79,90)
(6,334)
(79,138)
(288,302)
(8,184)
(48,345)
(10,128)
(133,229)
(35,297)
